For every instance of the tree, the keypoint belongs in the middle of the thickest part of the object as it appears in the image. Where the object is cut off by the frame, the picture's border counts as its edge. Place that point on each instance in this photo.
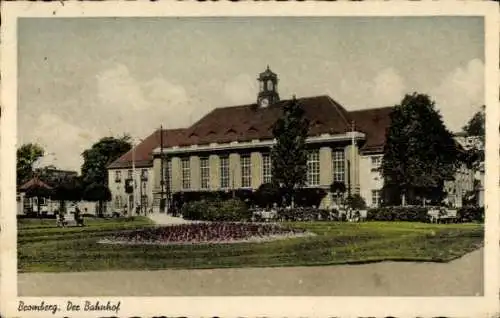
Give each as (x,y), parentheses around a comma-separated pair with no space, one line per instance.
(356,202)
(420,153)
(27,155)
(97,192)
(289,155)
(100,155)
(266,195)
(475,128)
(68,189)
(476,125)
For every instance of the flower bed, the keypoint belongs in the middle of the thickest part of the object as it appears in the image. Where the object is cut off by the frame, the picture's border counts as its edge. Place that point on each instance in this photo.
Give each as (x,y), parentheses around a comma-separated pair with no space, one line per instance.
(206,233)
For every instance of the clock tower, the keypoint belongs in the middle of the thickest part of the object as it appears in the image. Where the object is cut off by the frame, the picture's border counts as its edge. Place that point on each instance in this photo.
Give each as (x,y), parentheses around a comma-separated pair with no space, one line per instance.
(268,88)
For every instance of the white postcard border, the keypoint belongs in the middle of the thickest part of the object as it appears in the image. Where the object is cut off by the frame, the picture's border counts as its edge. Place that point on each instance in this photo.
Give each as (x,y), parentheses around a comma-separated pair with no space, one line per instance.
(254,306)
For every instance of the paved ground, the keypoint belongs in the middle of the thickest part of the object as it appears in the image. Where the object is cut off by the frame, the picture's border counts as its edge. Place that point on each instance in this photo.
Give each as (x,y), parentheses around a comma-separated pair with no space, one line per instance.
(462,277)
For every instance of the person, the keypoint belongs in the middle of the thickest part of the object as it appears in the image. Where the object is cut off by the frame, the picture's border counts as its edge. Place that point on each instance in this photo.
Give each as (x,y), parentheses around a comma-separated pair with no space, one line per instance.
(60,219)
(78,218)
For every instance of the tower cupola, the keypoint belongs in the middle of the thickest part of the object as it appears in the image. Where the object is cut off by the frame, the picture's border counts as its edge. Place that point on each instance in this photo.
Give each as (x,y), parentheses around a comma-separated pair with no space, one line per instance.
(268,88)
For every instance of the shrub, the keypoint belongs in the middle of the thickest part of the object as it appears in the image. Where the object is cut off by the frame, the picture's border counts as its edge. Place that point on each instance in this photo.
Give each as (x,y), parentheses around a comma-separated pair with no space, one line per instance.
(407,213)
(308,197)
(216,210)
(267,195)
(195,210)
(470,214)
(33,215)
(231,210)
(356,202)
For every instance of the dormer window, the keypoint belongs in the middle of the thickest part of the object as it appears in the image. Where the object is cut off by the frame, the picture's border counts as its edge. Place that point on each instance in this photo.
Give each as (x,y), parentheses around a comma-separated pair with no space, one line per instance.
(252,129)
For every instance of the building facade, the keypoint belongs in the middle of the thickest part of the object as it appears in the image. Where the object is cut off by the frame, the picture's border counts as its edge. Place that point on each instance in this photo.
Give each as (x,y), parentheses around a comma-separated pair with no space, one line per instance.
(229,149)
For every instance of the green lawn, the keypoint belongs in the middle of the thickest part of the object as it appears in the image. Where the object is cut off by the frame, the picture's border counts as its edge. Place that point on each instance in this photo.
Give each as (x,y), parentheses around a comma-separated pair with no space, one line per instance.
(45,248)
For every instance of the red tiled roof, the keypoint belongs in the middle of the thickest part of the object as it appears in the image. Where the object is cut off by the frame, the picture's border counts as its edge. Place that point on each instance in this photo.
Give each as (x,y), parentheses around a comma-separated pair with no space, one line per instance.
(374,123)
(248,122)
(34,183)
(143,151)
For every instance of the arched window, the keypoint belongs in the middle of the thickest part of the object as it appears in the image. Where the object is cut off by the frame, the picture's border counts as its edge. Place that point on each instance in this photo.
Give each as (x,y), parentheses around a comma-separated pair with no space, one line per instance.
(270,85)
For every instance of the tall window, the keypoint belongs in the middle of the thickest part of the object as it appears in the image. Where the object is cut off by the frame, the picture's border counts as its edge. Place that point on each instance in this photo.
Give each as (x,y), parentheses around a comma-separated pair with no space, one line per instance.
(313,168)
(129,174)
(375,197)
(246,172)
(338,158)
(186,173)
(144,174)
(118,176)
(266,168)
(205,173)
(224,172)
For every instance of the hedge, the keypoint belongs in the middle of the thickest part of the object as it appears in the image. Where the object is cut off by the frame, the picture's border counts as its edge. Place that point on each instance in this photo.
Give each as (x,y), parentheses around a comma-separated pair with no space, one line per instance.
(470,214)
(398,213)
(265,196)
(233,210)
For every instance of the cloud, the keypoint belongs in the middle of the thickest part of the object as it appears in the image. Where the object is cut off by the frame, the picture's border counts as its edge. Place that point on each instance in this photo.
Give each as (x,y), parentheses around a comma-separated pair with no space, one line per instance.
(460,94)
(63,142)
(117,88)
(240,90)
(386,88)
(138,107)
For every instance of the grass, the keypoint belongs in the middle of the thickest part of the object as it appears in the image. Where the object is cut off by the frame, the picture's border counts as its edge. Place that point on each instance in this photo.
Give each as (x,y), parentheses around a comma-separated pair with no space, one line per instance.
(45,248)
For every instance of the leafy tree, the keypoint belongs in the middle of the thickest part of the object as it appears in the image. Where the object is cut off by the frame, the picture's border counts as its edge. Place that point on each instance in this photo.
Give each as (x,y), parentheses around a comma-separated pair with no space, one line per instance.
(289,155)
(97,192)
(420,153)
(27,155)
(476,125)
(266,195)
(68,189)
(100,155)
(475,128)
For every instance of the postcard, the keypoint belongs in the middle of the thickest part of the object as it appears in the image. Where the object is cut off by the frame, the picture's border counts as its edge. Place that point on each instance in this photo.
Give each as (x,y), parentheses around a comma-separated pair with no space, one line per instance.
(251,159)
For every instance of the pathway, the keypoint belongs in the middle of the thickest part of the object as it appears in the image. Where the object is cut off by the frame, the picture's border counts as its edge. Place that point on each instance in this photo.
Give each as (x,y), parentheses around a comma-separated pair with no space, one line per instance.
(462,277)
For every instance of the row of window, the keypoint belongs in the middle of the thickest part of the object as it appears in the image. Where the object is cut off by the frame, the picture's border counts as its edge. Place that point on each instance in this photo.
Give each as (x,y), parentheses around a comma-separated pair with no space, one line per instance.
(120,202)
(118,175)
(246,172)
(313,170)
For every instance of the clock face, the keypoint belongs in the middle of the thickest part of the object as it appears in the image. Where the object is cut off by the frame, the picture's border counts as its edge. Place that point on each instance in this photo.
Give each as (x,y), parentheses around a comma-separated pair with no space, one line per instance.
(264,102)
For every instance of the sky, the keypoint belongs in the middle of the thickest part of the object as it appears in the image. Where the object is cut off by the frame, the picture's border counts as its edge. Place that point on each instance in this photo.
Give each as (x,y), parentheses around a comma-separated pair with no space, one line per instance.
(81,79)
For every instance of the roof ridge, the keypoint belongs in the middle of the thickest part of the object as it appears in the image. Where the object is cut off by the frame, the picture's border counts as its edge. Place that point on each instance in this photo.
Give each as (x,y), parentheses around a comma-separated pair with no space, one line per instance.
(153,134)
(337,105)
(370,109)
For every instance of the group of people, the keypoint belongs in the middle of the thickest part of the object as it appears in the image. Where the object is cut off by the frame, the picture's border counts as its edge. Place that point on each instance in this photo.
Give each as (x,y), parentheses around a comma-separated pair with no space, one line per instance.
(62,222)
